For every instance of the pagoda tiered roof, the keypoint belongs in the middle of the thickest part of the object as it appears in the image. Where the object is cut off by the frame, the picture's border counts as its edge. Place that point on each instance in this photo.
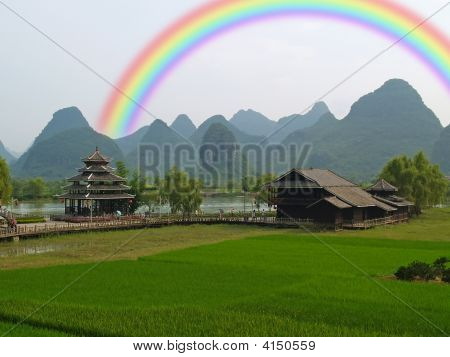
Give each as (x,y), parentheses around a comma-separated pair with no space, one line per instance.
(97,168)
(97,177)
(90,187)
(92,196)
(97,157)
(382,186)
(97,181)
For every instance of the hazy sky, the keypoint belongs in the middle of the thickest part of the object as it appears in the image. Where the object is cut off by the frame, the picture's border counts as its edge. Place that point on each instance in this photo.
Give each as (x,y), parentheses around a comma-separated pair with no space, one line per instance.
(277,68)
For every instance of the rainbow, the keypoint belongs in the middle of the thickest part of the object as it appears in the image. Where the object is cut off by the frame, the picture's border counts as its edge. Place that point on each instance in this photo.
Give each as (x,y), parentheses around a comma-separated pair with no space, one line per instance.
(151,67)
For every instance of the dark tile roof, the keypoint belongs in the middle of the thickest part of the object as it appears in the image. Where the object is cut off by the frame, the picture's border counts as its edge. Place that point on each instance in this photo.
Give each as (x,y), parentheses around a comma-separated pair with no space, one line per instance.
(357,197)
(334,201)
(395,201)
(314,178)
(97,157)
(91,177)
(88,196)
(345,192)
(326,178)
(97,168)
(382,186)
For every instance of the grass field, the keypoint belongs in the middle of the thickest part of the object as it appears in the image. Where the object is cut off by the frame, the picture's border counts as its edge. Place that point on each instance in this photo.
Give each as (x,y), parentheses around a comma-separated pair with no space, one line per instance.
(227,281)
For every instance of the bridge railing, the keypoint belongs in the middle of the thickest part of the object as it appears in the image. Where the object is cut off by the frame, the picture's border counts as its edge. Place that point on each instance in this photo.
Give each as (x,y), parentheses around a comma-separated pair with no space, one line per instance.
(142,222)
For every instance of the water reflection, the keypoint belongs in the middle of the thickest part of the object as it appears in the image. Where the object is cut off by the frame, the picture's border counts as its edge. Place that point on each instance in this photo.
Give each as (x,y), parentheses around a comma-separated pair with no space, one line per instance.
(21,251)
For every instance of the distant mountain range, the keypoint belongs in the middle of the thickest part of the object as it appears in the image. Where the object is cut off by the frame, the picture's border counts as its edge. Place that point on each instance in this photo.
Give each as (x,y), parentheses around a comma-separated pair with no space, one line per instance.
(392,120)
(56,152)
(5,154)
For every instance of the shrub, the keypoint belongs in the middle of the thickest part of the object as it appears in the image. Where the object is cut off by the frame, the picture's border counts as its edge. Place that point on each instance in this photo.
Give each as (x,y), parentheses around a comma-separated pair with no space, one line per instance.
(403,273)
(439,265)
(416,270)
(446,275)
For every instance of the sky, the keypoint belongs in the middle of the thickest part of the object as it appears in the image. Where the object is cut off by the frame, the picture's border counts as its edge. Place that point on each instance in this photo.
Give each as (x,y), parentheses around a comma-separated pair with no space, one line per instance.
(277,68)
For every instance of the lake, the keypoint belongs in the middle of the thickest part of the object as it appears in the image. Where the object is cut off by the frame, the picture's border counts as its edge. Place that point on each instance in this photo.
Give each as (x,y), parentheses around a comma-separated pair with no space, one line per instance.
(211,204)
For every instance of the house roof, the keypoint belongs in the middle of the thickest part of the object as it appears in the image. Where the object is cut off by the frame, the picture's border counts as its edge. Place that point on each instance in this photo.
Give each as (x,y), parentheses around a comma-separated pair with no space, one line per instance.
(346,193)
(334,201)
(395,201)
(357,197)
(382,186)
(314,178)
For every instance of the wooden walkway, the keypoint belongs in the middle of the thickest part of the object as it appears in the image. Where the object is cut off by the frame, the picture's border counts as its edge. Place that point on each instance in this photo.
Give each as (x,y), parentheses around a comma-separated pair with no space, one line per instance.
(58,228)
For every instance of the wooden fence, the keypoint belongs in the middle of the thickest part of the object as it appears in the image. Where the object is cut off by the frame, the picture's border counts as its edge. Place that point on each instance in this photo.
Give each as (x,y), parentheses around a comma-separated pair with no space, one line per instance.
(25,231)
(370,223)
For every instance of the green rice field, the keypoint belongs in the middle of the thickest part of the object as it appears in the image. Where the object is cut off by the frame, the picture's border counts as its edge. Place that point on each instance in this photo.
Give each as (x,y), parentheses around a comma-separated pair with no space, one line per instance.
(226,281)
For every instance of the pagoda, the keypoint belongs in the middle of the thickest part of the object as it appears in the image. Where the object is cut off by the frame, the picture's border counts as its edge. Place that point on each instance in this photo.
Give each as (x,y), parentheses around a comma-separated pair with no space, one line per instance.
(96,190)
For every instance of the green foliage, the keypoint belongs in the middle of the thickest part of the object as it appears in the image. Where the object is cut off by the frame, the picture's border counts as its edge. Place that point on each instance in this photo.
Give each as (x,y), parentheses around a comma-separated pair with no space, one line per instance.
(415,270)
(272,284)
(122,170)
(30,220)
(182,193)
(446,275)
(37,188)
(417,179)
(423,271)
(138,185)
(439,265)
(5,183)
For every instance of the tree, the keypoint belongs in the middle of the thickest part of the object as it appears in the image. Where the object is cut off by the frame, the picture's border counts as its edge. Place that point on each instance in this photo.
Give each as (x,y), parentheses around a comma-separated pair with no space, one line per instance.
(138,184)
(122,170)
(417,179)
(35,189)
(5,183)
(182,193)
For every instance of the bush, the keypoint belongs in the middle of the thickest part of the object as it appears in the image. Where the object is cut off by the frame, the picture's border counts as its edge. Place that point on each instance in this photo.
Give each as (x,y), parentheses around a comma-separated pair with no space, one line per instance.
(423,271)
(446,275)
(439,265)
(403,273)
(416,270)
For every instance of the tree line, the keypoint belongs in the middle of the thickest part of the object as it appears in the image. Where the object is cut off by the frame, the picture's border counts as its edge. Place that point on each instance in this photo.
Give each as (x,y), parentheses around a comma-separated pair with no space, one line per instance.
(417,178)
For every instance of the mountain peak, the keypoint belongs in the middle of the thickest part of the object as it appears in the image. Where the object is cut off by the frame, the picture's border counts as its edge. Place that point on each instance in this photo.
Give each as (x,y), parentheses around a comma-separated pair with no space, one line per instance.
(158,123)
(62,120)
(160,133)
(216,119)
(396,101)
(252,122)
(396,83)
(319,109)
(183,125)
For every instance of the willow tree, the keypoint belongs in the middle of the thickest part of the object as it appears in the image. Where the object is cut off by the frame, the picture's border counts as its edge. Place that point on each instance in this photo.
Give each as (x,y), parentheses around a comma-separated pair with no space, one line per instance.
(181,192)
(417,179)
(6,187)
